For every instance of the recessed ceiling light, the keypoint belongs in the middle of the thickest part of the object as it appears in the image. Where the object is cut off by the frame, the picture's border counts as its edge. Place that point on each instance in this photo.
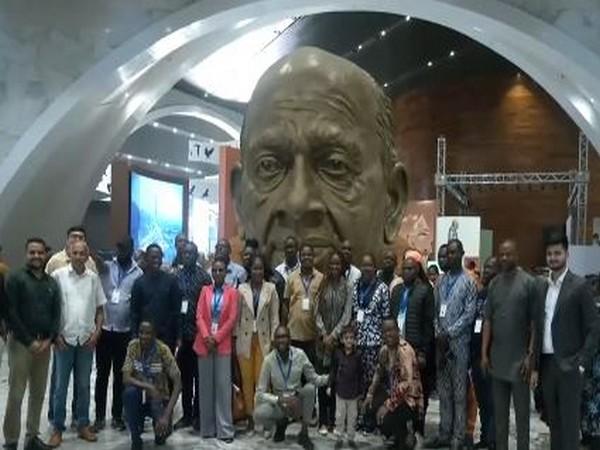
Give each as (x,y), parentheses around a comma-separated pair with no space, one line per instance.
(592,100)
(212,141)
(206,94)
(199,172)
(149,161)
(429,64)
(175,130)
(385,85)
(167,165)
(193,135)
(155,124)
(129,157)
(382,33)
(359,48)
(452,53)
(407,18)
(168,29)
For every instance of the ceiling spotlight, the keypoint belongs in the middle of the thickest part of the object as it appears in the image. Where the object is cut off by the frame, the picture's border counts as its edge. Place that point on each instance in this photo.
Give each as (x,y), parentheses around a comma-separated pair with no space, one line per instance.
(205,94)
(155,124)
(193,135)
(167,165)
(429,64)
(359,48)
(175,130)
(149,161)
(126,94)
(592,100)
(385,85)
(382,33)
(129,157)
(407,18)
(212,141)
(199,172)
(452,53)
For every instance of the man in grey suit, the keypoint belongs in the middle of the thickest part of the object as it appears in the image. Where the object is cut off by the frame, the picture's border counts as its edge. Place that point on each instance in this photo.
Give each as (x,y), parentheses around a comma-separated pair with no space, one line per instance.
(567,334)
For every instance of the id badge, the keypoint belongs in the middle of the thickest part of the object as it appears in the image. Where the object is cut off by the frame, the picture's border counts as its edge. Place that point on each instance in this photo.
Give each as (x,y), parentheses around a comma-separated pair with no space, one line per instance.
(478,325)
(214,327)
(360,316)
(305,304)
(443,311)
(184,306)
(115,297)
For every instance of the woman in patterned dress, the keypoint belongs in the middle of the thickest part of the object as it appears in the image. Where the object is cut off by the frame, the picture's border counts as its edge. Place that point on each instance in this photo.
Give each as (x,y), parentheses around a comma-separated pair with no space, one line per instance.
(370,306)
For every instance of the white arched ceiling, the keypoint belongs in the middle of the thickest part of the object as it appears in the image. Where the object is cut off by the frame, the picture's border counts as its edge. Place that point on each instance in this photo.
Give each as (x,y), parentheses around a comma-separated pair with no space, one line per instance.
(203,113)
(49,176)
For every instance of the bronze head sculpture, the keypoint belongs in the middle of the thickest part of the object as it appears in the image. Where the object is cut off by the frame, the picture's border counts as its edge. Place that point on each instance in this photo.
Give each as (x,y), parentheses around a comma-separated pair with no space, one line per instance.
(318,159)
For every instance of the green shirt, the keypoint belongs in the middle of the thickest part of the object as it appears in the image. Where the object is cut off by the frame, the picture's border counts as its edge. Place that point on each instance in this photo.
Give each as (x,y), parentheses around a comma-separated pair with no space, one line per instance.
(157,366)
(33,306)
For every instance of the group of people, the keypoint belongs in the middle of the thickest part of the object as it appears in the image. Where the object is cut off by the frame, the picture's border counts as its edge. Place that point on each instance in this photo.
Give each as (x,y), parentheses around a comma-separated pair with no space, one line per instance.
(368,345)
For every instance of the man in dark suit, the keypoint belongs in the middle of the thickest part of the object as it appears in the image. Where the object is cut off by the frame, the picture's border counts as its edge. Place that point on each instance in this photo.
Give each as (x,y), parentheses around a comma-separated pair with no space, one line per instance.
(567,334)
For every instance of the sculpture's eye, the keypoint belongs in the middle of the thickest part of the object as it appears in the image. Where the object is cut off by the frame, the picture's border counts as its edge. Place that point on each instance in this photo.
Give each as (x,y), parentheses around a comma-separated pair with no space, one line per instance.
(335,165)
(269,170)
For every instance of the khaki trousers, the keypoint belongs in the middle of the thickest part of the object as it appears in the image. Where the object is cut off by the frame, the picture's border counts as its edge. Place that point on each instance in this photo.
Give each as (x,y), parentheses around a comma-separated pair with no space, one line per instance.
(24,369)
(250,369)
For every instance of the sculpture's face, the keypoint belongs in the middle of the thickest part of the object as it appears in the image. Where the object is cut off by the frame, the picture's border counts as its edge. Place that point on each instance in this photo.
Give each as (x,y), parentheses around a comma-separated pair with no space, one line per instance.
(312,161)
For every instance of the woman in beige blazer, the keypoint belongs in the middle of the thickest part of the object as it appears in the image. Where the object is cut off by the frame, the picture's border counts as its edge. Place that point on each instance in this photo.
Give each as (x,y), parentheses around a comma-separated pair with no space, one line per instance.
(257,322)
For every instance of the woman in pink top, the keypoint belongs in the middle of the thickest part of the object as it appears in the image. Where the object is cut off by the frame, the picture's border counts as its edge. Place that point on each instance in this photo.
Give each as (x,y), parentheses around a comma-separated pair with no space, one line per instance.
(216,316)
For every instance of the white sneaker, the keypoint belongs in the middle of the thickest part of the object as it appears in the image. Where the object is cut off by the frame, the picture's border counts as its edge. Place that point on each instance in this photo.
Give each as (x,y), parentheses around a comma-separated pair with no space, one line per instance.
(323,430)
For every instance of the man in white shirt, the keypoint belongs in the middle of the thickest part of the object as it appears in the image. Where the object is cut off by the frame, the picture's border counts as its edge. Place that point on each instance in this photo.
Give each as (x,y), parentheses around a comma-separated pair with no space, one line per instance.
(351,272)
(567,336)
(291,261)
(82,315)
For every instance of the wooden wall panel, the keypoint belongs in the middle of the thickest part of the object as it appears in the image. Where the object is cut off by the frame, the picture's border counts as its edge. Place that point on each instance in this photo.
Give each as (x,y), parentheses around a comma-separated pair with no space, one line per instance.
(495,124)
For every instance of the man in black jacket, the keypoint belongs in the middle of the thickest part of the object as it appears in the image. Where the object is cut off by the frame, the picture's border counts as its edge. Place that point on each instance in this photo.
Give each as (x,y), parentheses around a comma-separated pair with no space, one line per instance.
(412,306)
(567,335)
(33,310)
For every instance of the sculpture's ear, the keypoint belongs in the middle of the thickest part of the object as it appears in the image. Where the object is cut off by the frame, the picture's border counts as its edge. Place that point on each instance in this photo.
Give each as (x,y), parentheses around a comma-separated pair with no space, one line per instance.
(235,186)
(396,198)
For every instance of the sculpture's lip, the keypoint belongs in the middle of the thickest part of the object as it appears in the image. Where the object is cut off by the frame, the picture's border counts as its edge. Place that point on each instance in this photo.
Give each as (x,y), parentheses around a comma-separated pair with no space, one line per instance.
(317,241)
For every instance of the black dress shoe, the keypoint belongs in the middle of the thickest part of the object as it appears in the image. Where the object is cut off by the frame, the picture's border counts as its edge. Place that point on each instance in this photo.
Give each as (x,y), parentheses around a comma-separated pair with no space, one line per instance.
(118,424)
(184,422)
(280,428)
(36,443)
(137,445)
(99,425)
(10,446)
(436,442)
(227,440)
(304,441)
(481,444)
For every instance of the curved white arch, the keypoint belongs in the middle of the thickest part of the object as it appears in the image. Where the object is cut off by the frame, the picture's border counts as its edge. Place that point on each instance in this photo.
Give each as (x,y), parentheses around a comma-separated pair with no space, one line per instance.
(74,139)
(206,114)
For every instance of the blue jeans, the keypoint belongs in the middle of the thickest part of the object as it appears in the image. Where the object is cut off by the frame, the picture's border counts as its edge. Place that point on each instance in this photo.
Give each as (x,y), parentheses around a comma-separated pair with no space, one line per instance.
(78,359)
(136,410)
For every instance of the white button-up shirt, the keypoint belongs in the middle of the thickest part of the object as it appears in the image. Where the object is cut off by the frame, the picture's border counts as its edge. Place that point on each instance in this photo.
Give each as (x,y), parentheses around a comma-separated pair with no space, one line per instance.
(117,285)
(81,296)
(549,308)
(286,271)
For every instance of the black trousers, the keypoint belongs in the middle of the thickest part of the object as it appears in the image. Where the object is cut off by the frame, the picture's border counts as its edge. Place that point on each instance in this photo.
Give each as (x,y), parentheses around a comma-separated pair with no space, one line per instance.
(188,366)
(395,422)
(110,354)
(485,399)
(562,400)
(309,348)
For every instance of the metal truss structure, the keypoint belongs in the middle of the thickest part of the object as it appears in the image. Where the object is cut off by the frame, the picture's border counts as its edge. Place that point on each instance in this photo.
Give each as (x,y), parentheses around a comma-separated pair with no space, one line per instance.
(457,185)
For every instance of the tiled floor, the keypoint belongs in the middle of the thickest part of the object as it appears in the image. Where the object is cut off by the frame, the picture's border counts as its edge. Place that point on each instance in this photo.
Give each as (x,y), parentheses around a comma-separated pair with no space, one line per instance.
(185,440)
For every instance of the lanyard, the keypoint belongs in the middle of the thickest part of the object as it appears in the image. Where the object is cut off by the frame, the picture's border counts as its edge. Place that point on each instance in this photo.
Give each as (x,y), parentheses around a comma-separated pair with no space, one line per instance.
(404,301)
(450,286)
(365,293)
(306,285)
(285,376)
(216,305)
(147,362)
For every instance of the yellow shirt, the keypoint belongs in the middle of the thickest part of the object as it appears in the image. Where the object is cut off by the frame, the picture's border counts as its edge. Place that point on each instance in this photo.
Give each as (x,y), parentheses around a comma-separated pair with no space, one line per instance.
(302,314)
(61,259)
